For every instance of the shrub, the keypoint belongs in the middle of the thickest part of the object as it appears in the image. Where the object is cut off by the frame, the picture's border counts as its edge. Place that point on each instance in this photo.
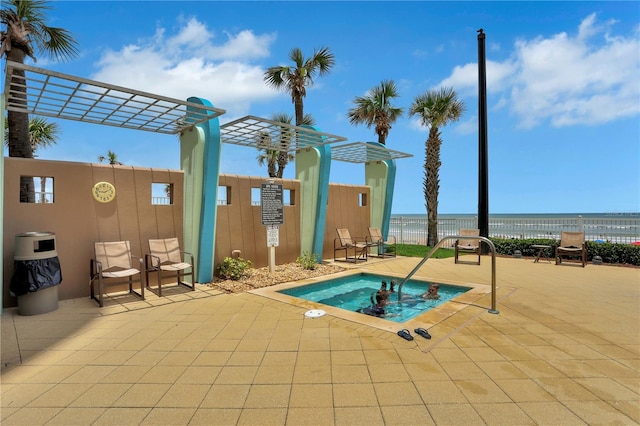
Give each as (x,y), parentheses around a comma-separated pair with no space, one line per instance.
(233,268)
(307,261)
(609,252)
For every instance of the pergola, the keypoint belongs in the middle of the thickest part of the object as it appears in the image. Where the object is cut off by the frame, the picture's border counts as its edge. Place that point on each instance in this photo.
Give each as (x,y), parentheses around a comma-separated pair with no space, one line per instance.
(42,92)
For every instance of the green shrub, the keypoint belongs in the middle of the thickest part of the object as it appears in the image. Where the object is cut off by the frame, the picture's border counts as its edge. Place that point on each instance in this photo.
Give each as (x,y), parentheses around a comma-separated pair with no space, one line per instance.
(307,261)
(233,269)
(609,252)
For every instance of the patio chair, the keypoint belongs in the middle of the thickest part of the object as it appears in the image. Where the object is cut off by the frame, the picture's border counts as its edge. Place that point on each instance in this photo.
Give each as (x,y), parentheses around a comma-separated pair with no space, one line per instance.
(572,245)
(165,256)
(386,248)
(345,243)
(113,262)
(468,245)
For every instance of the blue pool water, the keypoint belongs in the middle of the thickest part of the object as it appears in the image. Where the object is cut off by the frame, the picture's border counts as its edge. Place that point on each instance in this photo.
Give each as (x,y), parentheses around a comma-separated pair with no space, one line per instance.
(355,292)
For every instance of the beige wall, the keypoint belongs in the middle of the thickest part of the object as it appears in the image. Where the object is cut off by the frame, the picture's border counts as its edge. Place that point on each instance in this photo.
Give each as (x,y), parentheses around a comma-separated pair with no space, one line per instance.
(78,220)
(239,226)
(344,211)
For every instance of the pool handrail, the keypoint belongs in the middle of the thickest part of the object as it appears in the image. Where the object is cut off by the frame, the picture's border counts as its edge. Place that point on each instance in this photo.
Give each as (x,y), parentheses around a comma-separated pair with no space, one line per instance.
(487,241)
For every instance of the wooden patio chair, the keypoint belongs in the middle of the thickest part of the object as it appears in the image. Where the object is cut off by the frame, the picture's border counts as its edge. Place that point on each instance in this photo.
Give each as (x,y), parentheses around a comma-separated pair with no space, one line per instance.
(345,243)
(114,263)
(468,245)
(165,256)
(386,248)
(572,244)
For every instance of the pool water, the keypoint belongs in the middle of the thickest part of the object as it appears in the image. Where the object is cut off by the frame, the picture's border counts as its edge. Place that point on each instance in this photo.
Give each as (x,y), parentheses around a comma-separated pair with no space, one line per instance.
(355,293)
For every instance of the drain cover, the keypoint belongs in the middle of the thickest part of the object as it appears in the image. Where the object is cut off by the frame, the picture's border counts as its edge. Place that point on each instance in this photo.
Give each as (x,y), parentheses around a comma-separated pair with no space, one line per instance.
(314,313)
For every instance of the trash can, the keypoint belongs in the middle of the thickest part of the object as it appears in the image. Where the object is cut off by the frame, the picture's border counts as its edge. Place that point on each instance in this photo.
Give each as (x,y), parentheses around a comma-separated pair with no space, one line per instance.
(36,273)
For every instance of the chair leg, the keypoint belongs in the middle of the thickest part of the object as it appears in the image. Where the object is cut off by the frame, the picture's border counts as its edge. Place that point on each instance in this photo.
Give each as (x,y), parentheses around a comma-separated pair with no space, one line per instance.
(101,290)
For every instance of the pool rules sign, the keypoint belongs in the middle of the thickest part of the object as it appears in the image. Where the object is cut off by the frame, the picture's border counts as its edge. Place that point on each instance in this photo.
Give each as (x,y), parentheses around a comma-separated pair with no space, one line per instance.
(272,213)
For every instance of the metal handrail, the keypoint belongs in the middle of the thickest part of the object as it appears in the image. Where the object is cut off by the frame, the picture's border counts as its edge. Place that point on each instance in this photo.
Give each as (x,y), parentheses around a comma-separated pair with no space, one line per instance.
(493,309)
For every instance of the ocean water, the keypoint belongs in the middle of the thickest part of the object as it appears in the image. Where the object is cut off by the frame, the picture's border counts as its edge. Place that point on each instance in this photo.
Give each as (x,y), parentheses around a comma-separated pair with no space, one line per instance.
(611,227)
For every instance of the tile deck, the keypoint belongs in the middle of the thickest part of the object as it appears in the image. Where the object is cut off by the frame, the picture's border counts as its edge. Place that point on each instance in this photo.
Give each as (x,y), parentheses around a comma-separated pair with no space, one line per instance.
(564,349)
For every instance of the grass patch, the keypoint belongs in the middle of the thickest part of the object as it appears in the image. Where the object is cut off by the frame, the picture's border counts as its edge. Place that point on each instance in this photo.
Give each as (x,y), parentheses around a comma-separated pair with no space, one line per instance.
(411,250)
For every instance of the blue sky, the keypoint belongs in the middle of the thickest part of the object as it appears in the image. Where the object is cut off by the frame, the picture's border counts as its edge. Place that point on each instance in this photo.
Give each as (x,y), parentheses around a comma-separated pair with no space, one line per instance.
(563,82)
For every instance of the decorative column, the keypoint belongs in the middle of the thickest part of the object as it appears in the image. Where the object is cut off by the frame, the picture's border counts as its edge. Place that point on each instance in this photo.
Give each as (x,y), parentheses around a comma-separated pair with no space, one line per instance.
(312,170)
(380,176)
(200,161)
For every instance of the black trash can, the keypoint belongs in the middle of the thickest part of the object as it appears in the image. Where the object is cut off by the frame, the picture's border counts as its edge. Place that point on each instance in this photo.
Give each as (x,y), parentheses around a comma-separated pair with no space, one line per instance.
(36,273)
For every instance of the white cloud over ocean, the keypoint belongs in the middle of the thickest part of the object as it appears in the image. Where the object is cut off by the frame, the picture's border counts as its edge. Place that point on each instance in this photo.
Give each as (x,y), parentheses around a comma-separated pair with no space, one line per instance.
(590,77)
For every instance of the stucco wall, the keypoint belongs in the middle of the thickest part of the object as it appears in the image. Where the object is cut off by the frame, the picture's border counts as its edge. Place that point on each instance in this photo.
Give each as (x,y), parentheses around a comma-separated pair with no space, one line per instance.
(344,210)
(239,226)
(78,220)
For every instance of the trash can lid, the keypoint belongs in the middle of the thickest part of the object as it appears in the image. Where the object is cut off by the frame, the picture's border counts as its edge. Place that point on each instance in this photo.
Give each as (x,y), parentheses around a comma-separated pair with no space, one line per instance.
(35,234)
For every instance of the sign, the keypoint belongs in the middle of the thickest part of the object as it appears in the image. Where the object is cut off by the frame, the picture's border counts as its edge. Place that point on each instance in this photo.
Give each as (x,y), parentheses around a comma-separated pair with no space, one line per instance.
(271,206)
(273,236)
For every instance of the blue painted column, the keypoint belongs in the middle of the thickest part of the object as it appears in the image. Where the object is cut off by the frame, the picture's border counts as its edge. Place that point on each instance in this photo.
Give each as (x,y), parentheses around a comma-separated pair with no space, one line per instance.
(1,201)
(200,162)
(380,176)
(313,166)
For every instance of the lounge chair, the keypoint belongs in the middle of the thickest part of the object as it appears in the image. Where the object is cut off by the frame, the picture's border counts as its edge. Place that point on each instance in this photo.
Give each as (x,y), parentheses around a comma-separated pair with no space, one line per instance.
(386,248)
(165,256)
(572,244)
(113,262)
(466,245)
(345,243)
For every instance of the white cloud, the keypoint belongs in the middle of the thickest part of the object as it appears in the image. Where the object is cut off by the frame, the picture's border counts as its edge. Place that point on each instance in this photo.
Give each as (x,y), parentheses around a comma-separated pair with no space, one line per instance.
(464,79)
(189,63)
(589,78)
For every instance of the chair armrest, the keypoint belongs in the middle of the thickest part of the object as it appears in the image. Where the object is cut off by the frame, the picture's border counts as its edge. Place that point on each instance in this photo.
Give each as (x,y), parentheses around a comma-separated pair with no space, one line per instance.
(185,254)
(96,268)
(149,261)
(191,262)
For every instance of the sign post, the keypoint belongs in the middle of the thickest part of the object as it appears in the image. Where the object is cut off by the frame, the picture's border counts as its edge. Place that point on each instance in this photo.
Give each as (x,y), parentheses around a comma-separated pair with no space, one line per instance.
(272,215)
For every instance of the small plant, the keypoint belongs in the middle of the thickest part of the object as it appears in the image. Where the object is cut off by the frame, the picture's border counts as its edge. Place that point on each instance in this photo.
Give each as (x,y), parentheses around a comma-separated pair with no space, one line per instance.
(233,268)
(307,261)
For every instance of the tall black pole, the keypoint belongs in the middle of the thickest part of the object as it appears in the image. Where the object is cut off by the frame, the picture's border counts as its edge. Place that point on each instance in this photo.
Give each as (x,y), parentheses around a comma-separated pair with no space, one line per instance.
(483,167)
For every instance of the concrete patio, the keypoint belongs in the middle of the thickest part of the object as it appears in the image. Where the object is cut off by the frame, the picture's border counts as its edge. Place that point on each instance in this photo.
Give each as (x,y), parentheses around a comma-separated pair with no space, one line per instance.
(564,350)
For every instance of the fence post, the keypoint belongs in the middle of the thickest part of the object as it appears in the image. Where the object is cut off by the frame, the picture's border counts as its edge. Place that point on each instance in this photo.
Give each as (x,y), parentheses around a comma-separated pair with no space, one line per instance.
(580,224)
(401,229)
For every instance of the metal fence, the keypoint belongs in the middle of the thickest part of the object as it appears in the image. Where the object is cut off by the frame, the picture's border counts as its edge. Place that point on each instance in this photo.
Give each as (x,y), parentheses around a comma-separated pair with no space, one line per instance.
(614,229)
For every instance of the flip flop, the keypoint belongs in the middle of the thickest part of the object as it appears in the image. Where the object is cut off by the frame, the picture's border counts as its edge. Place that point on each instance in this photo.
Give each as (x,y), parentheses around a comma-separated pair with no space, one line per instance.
(405,334)
(424,333)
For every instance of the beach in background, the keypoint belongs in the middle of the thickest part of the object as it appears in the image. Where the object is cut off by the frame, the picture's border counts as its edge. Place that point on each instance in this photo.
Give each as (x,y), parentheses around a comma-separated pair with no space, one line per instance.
(623,228)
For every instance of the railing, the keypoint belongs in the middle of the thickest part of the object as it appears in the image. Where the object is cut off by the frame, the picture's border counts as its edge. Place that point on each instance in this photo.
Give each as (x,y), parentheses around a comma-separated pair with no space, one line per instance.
(487,241)
(164,201)
(616,229)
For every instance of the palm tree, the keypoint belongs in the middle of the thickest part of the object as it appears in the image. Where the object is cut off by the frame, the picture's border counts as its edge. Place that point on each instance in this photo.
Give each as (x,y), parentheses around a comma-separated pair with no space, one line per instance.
(41,134)
(375,109)
(269,156)
(295,81)
(435,108)
(112,157)
(24,32)
(275,157)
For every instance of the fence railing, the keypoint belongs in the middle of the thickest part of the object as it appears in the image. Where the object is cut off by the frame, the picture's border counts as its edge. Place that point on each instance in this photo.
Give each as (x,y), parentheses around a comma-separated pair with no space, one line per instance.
(615,229)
